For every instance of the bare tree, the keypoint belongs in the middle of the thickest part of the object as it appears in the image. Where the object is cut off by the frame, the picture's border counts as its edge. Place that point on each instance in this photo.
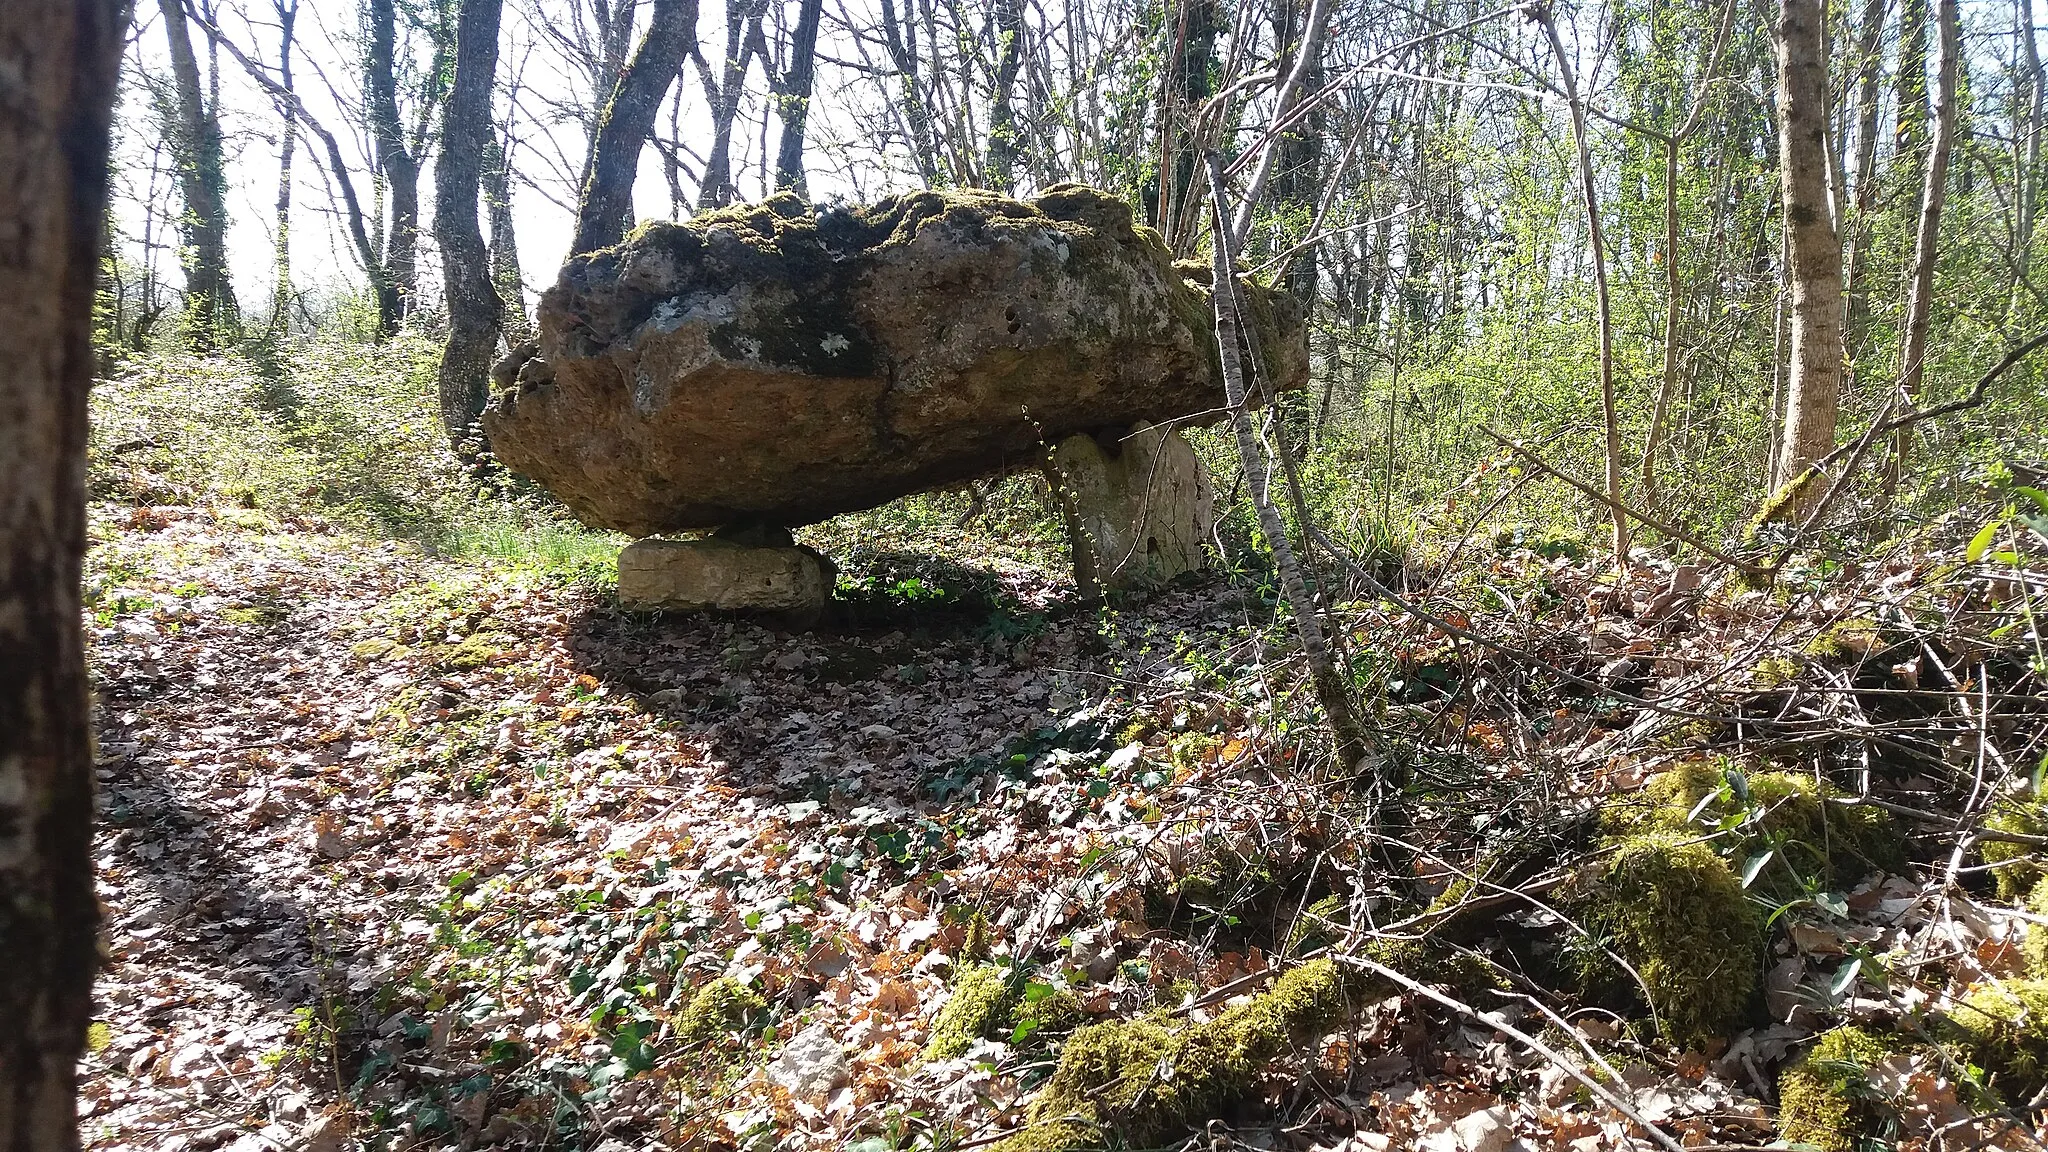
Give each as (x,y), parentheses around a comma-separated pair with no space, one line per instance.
(606,210)
(505,272)
(473,303)
(281,264)
(398,153)
(1927,240)
(743,41)
(1813,251)
(1002,117)
(60,58)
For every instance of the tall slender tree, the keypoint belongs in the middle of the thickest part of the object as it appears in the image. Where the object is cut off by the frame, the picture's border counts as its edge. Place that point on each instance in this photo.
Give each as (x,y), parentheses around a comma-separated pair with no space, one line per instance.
(60,58)
(210,312)
(795,98)
(281,264)
(473,303)
(606,208)
(1813,250)
(1002,118)
(1927,237)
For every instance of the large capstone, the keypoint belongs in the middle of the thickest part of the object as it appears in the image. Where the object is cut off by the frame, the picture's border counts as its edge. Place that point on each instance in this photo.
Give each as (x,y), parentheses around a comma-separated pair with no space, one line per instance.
(778,363)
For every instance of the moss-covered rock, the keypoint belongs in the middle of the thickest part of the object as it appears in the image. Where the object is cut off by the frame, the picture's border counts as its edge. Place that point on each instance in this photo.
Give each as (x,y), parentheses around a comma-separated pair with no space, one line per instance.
(1677,913)
(2003,1026)
(1825,1098)
(717,1010)
(990,1002)
(2016,867)
(1813,837)
(1147,1081)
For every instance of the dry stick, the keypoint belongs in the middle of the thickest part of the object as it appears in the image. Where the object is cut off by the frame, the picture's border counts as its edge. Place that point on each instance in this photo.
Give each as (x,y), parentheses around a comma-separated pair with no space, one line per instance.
(1351,745)
(1495,1021)
(1617,506)
(1590,191)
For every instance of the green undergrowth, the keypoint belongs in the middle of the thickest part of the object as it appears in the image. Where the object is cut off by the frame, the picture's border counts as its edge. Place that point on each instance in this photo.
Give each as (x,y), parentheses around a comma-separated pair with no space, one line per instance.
(2016,868)
(2036,946)
(2003,1027)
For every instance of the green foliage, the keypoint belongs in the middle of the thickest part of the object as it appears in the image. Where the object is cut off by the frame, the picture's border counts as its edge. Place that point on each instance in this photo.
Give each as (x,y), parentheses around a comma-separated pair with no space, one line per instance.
(1825,1098)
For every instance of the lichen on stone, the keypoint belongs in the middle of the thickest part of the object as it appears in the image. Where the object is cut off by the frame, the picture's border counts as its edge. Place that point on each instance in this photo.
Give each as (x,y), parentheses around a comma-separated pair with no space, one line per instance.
(1677,913)
(717,1010)
(1825,1098)
(2003,1027)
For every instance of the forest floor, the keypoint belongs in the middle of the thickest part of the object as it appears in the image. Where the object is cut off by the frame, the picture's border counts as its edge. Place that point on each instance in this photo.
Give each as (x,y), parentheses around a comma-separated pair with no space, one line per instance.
(400,851)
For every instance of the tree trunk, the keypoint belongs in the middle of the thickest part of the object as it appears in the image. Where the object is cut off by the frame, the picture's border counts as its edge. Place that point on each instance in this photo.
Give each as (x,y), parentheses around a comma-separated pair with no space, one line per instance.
(1002,115)
(742,29)
(1589,192)
(1910,144)
(209,297)
(60,58)
(1813,250)
(505,274)
(396,161)
(1926,245)
(1298,179)
(796,99)
(903,55)
(281,290)
(2026,194)
(1330,690)
(1870,66)
(606,211)
(473,303)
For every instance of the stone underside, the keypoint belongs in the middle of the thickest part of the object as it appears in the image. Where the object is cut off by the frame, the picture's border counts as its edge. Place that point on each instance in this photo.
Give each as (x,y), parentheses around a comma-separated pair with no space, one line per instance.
(778,363)
(1138,508)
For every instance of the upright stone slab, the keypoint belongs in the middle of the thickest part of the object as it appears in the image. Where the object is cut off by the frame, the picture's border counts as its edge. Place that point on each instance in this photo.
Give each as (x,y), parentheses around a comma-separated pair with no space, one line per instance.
(1138,508)
(690,575)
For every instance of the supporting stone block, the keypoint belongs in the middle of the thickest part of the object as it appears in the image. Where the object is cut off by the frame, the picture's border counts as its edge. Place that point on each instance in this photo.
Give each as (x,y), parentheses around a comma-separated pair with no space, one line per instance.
(689,575)
(1138,508)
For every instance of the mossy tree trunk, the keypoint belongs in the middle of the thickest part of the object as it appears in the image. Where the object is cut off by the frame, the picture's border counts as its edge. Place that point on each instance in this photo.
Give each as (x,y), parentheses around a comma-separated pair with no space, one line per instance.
(606,210)
(60,58)
(202,179)
(795,102)
(473,303)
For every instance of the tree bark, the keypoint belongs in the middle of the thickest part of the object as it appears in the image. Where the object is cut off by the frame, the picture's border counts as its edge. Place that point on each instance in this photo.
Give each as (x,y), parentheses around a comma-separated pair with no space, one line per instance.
(505,272)
(1330,690)
(473,303)
(60,58)
(796,99)
(742,39)
(606,210)
(1927,240)
(1870,66)
(2026,193)
(1813,250)
(209,297)
(1002,116)
(903,55)
(401,168)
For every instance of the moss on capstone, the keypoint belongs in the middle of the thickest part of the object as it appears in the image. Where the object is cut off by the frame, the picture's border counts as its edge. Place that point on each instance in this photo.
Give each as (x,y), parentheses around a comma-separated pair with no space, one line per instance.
(2016,868)
(1825,1099)
(2003,1027)
(717,1010)
(1677,913)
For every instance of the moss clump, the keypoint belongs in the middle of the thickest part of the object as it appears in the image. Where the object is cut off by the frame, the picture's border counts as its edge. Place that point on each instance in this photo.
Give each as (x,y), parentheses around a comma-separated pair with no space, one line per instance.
(1677,913)
(1846,641)
(2003,1026)
(2036,947)
(1812,838)
(2016,867)
(982,999)
(1773,672)
(991,1002)
(1825,1099)
(1790,497)
(475,651)
(718,1009)
(1147,1081)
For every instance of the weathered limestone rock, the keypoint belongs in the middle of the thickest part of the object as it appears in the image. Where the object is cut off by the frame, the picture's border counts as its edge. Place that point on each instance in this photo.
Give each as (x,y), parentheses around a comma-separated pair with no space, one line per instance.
(787,580)
(782,363)
(1138,509)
